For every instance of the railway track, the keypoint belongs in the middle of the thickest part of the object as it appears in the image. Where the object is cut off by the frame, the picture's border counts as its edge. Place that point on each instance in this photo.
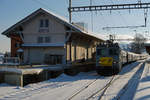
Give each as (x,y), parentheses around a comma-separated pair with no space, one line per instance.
(91,83)
(102,90)
(75,94)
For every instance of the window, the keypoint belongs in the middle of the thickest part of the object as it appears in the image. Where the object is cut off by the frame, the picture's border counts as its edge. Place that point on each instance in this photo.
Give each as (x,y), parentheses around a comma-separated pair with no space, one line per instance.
(17,45)
(44,23)
(43,40)
(47,39)
(53,59)
(98,52)
(41,23)
(101,52)
(40,40)
(113,51)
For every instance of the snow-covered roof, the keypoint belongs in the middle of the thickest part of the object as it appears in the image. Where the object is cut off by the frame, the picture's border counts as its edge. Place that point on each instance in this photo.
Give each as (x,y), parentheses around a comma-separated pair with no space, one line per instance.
(147,43)
(57,17)
(43,45)
(21,71)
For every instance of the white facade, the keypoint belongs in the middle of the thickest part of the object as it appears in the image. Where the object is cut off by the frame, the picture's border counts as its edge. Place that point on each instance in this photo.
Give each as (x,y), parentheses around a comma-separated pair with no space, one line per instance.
(34,54)
(49,39)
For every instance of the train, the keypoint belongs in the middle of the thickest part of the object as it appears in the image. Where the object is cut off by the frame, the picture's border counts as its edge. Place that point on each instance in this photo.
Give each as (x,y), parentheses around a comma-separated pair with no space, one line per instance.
(110,58)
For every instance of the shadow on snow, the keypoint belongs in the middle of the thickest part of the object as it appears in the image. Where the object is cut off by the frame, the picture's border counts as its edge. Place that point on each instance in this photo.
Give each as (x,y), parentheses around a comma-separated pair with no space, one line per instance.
(131,86)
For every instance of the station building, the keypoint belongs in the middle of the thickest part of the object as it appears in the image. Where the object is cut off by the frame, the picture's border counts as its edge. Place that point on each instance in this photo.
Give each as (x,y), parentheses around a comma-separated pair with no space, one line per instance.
(46,38)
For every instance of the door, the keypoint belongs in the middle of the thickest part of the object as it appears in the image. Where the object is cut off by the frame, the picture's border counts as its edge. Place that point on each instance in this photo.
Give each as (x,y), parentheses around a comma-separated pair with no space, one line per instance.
(36,56)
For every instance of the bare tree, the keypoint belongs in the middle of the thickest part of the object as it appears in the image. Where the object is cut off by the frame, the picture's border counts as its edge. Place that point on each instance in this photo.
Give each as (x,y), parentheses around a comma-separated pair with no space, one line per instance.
(138,45)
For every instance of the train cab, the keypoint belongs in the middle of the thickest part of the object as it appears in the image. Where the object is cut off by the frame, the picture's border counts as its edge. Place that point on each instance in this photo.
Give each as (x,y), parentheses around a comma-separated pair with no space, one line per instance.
(107,58)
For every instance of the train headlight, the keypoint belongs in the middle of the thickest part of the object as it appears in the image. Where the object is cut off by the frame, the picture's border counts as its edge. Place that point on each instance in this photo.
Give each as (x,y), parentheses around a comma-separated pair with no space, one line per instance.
(115,62)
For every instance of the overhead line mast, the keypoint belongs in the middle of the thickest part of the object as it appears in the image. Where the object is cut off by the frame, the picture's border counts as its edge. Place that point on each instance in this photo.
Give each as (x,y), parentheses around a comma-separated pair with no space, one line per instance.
(70,12)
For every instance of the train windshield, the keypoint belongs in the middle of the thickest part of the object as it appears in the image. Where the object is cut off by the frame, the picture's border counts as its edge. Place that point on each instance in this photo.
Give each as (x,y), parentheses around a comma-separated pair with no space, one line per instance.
(113,52)
(101,52)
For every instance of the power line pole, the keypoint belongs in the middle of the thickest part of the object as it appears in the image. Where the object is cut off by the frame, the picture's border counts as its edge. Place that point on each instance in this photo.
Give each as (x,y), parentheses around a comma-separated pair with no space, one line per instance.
(91,15)
(70,12)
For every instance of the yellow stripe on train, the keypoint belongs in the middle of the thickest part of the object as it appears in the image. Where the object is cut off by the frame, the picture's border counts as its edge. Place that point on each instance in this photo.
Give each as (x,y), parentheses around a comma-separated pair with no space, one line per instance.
(106,61)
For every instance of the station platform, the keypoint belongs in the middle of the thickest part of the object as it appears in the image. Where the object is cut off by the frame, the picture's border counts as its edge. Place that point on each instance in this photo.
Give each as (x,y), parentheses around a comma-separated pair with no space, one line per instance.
(23,75)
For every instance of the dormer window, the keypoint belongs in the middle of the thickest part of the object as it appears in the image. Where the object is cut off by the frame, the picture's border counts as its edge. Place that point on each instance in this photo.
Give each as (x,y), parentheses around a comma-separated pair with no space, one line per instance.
(44,23)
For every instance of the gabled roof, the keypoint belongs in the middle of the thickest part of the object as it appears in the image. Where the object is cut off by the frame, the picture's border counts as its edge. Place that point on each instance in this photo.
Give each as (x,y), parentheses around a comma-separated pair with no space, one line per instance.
(57,17)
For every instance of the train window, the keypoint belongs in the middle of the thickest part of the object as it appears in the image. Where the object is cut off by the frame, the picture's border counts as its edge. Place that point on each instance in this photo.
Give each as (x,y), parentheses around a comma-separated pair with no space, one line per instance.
(113,52)
(101,52)
(98,51)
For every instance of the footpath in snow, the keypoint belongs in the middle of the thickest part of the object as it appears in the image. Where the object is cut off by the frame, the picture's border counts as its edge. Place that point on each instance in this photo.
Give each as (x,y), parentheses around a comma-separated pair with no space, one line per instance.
(143,90)
(125,83)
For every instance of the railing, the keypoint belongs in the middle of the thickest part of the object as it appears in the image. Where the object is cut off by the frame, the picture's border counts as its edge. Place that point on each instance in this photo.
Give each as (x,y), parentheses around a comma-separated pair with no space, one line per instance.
(11,61)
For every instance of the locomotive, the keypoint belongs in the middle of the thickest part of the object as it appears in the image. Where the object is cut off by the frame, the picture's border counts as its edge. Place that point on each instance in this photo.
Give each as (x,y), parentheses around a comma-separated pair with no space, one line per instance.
(110,58)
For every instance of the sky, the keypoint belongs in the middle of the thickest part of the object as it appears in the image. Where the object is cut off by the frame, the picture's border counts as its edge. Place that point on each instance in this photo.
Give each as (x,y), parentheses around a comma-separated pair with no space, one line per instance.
(12,11)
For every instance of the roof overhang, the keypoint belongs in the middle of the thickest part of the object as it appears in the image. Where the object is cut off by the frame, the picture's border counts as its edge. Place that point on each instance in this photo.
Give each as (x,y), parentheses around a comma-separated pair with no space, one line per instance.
(44,45)
(147,44)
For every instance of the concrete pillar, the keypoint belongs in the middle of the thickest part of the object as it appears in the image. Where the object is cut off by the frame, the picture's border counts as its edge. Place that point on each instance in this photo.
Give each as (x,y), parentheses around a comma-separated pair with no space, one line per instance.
(75,52)
(21,81)
(70,48)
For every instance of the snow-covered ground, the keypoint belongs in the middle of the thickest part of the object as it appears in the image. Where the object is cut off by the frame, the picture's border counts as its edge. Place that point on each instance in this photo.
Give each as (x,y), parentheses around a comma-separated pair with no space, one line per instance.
(128,84)
(143,90)
(125,87)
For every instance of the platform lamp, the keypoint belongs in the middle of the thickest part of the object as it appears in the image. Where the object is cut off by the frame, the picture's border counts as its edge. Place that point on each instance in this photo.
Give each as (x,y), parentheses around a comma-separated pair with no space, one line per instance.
(20,55)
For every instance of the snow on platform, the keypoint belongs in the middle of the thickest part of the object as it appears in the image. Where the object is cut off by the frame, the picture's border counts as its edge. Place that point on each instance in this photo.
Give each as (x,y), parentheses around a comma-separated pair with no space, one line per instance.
(34,70)
(143,90)
(54,89)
